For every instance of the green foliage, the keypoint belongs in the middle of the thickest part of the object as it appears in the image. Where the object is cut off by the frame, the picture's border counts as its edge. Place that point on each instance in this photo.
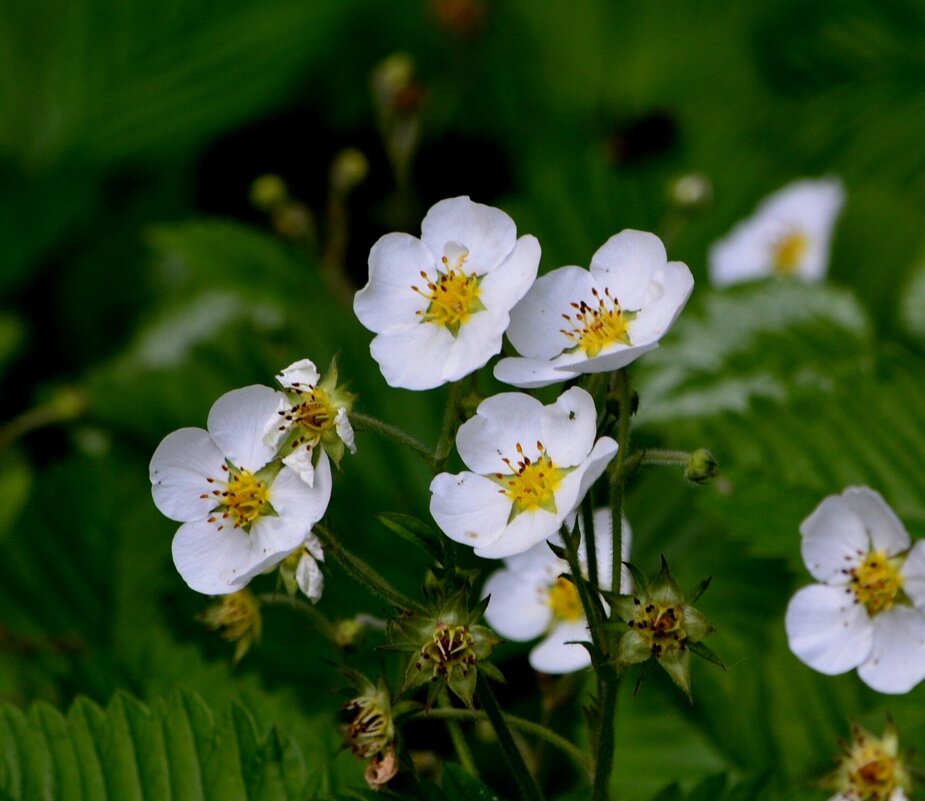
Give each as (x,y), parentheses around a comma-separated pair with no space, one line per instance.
(175,748)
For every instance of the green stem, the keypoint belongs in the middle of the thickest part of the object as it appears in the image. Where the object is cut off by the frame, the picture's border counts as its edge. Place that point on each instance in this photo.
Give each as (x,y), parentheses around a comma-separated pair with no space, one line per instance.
(363,422)
(590,602)
(362,573)
(587,519)
(448,429)
(317,618)
(526,784)
(605,744)
(456,735)
(520,724)
(66,405)
(657,456)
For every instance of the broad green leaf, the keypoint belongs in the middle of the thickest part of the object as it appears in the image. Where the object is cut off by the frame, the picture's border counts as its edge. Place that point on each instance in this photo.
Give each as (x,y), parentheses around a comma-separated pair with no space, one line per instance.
(174,748)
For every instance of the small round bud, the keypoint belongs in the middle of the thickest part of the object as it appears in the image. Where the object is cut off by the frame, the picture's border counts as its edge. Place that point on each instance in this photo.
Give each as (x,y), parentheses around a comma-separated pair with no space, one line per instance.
(701,467)
(691,192)
(392,76)
(349,169)
(348,633)
(269,192)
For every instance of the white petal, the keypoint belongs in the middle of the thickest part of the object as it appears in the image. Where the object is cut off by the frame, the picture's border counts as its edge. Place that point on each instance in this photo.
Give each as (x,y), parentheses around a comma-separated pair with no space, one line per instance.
(313,545)
(603,541)
(508,283)
(913,573)
(519,609)
(210,561)
(238,423)
(300,461)
(834,540)
(827,630)
(615,357)
(576,484)
(626,264)
(743,255)
(536,322)
(272,539)
(299,375)
(299,503)
(897,660)
(486,232)
(478,339)
(309,578)
(569,426)
(345,430)
(673,286)
(522,533)
(395,265)
(559,653)
(529,373)
(179,470)
(468,508)
(886,531)
(411,356)
(500,423)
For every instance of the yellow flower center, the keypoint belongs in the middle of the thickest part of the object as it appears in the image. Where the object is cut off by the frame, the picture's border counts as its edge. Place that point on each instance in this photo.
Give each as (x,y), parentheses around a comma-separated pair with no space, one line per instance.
(243,500)
(877,582)
(450,650)
(454,296)
(594,328)
(661,626)
(532,485)
(789,252)
(870,770)
(315,413)
(564,601)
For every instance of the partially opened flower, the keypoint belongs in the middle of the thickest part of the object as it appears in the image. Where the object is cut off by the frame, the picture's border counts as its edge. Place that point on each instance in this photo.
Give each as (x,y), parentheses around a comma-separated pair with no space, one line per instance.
(312,419)
(789,234)
(575,321)
(864,614)
(301,570)
(530,467)
(242,512)
(530,598)
(439,304)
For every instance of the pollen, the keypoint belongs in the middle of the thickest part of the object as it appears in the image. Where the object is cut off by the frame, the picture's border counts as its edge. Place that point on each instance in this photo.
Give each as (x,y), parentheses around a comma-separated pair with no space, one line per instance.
(788,253)
(531,484)
(243,500)
(877,582)
(564,601)
(453,295)
(597,325)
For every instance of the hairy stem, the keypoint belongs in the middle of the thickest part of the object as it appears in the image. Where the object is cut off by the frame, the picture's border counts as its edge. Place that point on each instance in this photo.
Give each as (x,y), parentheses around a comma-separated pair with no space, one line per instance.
(448,429)
(523,725)
(526,784)
(456,735)
(363,422)
(657,456)
(363,573)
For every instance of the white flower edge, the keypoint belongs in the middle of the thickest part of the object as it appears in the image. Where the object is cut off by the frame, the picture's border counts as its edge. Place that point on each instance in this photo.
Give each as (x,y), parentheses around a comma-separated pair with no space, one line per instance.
(519,608)
(809,206)
(631,267)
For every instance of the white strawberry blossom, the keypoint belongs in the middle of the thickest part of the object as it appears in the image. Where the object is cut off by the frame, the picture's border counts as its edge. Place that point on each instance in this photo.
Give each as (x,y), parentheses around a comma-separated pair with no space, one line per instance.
(867,611)
(530,599)
(439,305)
(529,467)
(242,512)
(575,321)
(789,234)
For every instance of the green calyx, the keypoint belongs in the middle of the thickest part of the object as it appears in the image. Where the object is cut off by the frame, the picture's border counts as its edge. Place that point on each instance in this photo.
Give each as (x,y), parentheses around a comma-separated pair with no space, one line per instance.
(663,625)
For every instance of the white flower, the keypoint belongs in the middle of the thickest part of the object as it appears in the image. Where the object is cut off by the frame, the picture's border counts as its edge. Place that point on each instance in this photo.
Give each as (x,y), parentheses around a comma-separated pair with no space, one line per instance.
(439,304)
(529,599)
(312,412)
(864,614)
(576,321)
(241,511)
(788,235)
(531,466)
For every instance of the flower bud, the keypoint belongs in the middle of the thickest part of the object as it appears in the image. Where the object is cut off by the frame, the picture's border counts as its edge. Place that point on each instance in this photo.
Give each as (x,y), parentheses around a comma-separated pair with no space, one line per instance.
(701,467)
(238,618)
(370,730)
(269,192)
(348,633)
(349,169)
(691,192)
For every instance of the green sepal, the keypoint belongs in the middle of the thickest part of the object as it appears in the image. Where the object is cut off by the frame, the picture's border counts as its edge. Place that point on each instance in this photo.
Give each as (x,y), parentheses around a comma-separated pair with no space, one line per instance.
(624,606)
(558,550)
(695,625)
(632,649)
(694,595)
(704,651)
(677,664)
(463,686)
(664,589)
(492,672)
(640,582)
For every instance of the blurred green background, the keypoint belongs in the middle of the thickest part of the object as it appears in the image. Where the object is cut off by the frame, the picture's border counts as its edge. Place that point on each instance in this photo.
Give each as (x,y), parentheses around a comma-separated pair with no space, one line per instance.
(138,282)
